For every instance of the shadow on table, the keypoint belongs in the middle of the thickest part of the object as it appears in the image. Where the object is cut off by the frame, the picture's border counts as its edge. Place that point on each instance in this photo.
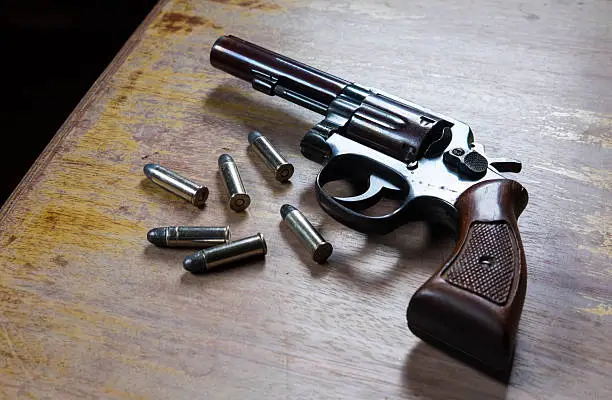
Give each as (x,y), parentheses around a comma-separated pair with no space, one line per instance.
(415,247)
(277,123)
(316,270)
(431,374)
(167,255)
(226,271)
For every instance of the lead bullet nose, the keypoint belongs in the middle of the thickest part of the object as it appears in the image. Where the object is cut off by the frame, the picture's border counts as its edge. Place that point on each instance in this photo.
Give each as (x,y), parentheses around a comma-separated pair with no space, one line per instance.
(149,168)
(225,158)
(194,263)
(286,209)
(188,263)
(157,236)
(253,135)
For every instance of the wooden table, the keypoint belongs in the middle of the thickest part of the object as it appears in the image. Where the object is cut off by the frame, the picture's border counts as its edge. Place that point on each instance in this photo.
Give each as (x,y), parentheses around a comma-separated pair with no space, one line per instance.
(88,309)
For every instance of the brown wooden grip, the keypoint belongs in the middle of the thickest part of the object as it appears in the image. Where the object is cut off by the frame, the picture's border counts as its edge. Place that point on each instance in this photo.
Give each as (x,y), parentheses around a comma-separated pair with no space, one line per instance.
(473,304)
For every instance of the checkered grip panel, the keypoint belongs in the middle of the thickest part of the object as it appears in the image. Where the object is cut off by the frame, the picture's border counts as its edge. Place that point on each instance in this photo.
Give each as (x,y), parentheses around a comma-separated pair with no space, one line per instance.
(488,262)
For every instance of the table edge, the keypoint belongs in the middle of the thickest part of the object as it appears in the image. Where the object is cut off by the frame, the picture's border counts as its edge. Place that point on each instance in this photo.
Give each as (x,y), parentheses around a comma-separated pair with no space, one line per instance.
(50,149)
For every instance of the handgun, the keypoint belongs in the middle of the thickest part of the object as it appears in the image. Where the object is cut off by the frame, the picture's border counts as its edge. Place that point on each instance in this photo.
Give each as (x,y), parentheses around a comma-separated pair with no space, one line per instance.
(388,147)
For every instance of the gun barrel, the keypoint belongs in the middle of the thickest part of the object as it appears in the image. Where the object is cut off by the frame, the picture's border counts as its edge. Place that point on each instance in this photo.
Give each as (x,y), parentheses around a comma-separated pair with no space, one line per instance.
(275,74)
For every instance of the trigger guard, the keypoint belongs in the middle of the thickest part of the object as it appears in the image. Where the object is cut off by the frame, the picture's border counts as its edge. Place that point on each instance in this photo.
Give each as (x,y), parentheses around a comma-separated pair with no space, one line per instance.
(342,166)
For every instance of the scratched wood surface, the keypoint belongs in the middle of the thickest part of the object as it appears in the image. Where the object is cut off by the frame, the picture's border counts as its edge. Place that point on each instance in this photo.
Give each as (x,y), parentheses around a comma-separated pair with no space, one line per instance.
(88,309)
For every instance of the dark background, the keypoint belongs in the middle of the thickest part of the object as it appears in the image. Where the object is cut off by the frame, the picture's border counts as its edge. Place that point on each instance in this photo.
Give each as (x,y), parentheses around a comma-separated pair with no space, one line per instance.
(52,52)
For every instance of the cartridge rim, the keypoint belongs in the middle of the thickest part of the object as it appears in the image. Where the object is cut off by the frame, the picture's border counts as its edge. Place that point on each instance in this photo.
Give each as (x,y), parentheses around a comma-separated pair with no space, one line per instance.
(284,172)
(322,252)
(200,197)
(264,245)
(239,201)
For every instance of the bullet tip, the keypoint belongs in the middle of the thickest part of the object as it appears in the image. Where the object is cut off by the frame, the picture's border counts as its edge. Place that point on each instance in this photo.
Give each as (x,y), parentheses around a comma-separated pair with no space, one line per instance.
(225,158)
(286,209)
(157,236)
(253,135)
(195,263)
(148,169)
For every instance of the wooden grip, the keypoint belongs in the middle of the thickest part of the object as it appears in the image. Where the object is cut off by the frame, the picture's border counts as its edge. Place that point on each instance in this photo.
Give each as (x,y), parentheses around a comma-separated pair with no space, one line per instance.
(473,304)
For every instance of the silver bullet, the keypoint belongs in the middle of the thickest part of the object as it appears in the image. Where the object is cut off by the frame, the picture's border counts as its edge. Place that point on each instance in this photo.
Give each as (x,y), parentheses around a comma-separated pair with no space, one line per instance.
(283,170)
(189,236)
(319,247)
(173,182)
(239,199)
(214,257)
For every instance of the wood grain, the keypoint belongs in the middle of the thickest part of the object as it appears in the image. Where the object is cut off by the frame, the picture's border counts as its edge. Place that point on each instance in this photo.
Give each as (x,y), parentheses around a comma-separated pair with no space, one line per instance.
(89,310)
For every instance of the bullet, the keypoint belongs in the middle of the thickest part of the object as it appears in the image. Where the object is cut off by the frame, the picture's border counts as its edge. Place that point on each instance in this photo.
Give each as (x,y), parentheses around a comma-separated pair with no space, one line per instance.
(283,170)
(189,236)
(214,257)
(309,236)
(173,182)
(239,199)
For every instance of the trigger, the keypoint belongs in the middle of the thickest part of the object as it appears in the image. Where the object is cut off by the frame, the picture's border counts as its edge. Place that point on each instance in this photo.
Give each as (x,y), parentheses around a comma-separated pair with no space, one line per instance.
(376,189)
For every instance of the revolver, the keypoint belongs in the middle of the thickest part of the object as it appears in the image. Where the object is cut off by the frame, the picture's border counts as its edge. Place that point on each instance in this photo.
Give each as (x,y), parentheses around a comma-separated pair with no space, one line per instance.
(388,147)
